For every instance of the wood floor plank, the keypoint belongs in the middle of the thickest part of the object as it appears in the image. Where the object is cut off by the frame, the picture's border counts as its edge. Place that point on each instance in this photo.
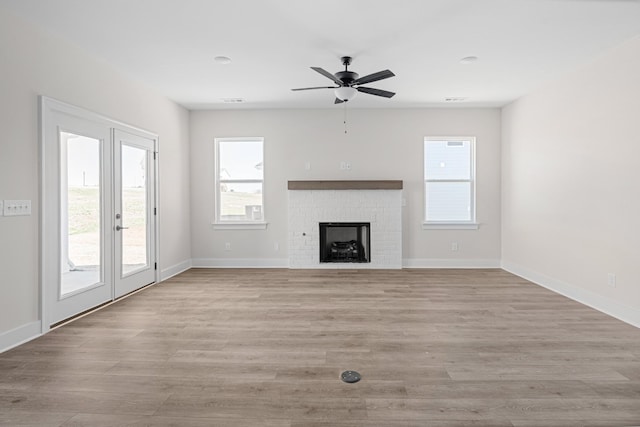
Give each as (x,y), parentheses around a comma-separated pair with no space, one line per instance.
(255,407)
(71,402)
(16,418)
(404,423)
(100,420)
(505,390)
(266,348)
(629,422)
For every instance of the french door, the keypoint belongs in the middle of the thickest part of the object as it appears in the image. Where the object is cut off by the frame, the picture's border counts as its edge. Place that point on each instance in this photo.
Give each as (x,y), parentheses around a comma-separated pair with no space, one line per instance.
(98,211)
(134,212)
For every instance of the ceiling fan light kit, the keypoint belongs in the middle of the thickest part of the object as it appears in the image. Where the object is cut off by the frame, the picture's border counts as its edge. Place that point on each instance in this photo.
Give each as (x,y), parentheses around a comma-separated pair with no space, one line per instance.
(345,93)
(349,83)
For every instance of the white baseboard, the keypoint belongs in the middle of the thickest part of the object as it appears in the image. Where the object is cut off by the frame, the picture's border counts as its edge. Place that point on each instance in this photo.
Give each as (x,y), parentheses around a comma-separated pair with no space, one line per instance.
(174,270)
(284,263)
(240,263)
(450,263)
(20,335)
(347,266)
(598,302)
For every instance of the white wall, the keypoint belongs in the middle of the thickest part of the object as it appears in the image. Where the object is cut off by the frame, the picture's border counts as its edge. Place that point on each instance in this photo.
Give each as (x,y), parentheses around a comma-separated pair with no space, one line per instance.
(380,144)
(571,184)
(32,64)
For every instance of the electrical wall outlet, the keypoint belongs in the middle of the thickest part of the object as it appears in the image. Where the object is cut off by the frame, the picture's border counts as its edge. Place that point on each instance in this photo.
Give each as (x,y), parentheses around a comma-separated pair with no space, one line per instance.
(307,165)
(454,246)
(227,246)
(276,246)
(611,279)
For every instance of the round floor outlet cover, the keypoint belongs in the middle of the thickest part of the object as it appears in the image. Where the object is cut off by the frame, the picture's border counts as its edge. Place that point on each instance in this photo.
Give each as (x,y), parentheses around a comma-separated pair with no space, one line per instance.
(350,377)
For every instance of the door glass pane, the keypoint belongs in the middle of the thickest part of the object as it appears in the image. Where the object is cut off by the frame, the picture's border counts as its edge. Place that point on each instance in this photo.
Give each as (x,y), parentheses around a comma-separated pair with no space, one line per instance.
(134,209)
(81,251)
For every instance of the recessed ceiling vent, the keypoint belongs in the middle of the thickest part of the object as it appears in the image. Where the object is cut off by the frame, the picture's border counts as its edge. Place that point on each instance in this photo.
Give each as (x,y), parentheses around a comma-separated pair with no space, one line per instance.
(455,99)
(224,60)
(232,100)
(468,60)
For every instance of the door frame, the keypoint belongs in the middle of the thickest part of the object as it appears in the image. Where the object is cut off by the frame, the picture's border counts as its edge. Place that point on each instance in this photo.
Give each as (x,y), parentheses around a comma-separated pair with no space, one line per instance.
(47,106)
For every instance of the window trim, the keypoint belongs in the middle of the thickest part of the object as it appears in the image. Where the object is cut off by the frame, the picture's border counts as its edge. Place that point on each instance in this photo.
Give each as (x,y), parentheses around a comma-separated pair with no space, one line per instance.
(471,224)
(219,223)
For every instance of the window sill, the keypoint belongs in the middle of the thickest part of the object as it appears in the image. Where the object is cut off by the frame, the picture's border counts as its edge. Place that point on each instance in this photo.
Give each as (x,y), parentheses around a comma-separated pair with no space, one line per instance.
(450,225)
(239,225)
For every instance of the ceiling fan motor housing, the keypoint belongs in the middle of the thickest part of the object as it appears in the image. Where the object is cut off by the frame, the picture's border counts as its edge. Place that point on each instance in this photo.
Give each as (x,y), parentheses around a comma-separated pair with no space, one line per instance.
(347,77)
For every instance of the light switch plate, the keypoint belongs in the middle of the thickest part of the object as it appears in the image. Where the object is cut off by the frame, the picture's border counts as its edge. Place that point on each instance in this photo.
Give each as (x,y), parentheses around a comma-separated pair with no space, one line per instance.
(17,207)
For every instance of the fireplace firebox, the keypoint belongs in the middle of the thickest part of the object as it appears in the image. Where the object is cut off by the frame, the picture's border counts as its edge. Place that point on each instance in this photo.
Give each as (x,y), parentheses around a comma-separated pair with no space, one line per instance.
(345,242)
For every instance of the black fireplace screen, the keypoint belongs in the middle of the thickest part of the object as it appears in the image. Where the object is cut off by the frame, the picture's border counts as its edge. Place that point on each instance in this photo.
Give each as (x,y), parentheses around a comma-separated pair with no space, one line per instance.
(345,242)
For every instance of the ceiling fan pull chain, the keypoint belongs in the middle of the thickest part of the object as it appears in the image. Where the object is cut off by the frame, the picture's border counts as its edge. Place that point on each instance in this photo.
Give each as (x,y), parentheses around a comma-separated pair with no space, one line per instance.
(345,117)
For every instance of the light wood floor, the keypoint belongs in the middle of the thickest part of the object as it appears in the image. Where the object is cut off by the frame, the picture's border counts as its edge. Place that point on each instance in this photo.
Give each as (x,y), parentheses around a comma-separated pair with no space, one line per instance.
(266,347)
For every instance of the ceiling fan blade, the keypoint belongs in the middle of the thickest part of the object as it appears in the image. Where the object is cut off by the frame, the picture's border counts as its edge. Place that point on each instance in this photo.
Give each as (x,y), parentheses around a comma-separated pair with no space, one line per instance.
(338,101)
(385,74)
(373,91)
(327,75)
(317,87)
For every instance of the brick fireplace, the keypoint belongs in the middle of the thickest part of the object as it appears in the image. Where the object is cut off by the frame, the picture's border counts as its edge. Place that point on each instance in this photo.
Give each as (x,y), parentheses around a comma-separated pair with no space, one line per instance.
(377,203)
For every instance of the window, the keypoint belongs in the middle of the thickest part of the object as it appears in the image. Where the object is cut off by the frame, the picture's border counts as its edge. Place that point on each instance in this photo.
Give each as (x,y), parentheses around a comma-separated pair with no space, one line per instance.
(449,182)
(239,182)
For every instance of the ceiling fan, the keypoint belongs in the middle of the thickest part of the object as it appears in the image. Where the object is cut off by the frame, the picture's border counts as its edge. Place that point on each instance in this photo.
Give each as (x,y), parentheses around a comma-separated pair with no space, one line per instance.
(349,83)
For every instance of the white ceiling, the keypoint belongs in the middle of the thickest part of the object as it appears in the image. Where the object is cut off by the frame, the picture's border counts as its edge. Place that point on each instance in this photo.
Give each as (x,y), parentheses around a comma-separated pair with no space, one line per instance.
(170,45)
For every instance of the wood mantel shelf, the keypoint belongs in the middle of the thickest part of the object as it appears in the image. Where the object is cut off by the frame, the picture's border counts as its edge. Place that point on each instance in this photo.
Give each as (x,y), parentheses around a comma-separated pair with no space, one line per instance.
(345,185)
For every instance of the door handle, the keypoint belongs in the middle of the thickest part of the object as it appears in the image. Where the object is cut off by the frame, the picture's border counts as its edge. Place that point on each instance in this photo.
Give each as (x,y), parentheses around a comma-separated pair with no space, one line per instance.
(118,228)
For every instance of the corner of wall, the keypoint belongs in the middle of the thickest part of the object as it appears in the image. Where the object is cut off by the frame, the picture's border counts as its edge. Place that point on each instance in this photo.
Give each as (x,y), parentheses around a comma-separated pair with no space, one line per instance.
(20,335)
(174,270)
(598,302)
